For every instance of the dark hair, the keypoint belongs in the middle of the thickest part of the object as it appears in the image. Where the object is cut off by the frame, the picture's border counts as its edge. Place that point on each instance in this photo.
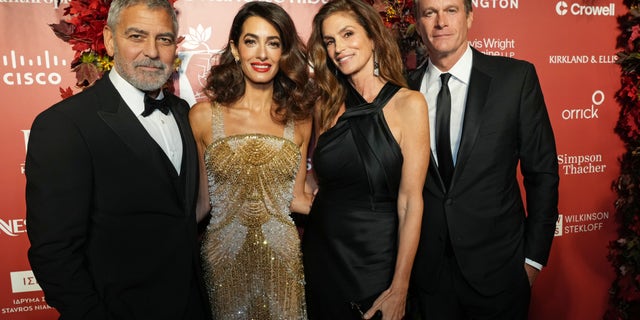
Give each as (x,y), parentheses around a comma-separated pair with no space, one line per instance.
(326,75)
(467,6)
(116,7)
(292,90)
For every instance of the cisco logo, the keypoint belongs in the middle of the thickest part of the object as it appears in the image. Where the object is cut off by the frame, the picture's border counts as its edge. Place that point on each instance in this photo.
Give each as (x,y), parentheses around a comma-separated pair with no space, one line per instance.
(19,76)
(576,9)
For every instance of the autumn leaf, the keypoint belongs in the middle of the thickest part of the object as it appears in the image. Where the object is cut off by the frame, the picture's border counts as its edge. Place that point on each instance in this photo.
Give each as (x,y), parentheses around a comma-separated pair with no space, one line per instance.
(63,30)
(86,74)
(66,93)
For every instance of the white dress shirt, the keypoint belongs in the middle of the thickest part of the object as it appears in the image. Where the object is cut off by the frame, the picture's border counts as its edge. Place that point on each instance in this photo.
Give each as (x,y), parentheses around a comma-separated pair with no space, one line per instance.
(458,85)
(161,127)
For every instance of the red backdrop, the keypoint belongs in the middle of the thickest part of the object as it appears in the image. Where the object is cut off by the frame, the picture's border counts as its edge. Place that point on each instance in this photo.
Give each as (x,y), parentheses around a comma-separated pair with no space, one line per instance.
(572,44)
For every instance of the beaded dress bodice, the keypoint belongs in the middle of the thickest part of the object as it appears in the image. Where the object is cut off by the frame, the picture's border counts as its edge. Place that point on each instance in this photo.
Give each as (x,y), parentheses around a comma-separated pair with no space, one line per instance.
(251,249)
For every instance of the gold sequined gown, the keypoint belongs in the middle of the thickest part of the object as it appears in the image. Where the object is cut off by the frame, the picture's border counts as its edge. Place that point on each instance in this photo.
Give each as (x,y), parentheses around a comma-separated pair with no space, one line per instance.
(251,250)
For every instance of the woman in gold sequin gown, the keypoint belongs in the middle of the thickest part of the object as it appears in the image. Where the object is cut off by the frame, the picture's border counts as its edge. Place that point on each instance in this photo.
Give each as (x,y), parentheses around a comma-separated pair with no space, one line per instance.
(252,137)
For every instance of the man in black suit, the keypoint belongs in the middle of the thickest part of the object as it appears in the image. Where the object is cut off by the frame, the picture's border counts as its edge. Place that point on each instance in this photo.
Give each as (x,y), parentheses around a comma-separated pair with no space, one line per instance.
(111,184)
(480,248)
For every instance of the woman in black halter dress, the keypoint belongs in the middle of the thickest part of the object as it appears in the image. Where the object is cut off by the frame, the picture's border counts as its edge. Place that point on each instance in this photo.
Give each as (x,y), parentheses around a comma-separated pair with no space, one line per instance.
(370,162)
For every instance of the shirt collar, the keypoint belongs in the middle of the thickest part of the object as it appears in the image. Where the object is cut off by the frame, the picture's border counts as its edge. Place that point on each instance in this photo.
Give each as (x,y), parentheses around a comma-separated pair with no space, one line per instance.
(131,95)
(461,70)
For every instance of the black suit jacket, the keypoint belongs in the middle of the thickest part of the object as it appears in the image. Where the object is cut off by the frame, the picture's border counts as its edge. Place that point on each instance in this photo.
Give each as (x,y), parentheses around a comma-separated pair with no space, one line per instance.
(111,223)
(505,125)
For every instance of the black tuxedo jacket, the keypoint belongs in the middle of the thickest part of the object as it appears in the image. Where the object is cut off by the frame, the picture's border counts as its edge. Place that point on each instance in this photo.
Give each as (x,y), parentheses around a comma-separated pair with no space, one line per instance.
(111,223)
(505,125)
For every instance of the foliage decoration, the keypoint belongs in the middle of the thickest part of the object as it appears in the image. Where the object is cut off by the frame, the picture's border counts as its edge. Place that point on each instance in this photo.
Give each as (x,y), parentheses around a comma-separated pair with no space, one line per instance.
(624,253)
(398,16)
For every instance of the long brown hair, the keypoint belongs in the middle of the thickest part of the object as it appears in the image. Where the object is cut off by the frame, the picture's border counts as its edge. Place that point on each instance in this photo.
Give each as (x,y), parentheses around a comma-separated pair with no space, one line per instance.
(293,93)
(327,76)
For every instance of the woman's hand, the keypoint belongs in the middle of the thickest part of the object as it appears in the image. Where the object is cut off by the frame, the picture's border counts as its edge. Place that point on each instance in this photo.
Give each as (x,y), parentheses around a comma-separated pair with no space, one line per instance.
(391,303)
(302,203)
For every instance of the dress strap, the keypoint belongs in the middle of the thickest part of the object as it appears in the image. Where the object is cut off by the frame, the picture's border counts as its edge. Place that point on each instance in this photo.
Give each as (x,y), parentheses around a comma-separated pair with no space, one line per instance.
(289,129)
(217,121)
(356,105)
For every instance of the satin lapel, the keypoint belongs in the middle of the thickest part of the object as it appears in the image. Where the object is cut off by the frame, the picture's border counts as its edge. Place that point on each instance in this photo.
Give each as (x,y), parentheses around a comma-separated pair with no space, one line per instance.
(119,117)
(189,152)
(479,85)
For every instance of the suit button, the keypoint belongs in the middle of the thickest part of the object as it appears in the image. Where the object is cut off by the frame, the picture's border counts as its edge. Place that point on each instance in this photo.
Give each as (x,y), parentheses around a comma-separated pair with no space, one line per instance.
(448,202)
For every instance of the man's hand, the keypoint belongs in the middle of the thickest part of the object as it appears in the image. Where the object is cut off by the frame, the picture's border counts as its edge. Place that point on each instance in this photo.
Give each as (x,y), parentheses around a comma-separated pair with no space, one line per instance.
(532,273)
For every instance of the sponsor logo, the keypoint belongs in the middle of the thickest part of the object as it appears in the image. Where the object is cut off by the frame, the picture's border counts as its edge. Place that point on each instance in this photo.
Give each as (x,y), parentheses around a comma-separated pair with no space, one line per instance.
(588,113)
(25,303)
(21,76)
(580,223)
(495,4)
(577,9)
(581,164)
(24,281)
(197,60)
(583,59)
(54,3)
(495,46)
(558,231)
(13,227)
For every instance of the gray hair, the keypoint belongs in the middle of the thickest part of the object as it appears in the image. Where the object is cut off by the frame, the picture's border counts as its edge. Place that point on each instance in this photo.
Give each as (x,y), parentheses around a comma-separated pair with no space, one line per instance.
(118,5)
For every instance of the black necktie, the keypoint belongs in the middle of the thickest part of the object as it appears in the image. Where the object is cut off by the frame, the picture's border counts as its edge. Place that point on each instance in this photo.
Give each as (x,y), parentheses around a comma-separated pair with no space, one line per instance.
(151,104)
(443,142)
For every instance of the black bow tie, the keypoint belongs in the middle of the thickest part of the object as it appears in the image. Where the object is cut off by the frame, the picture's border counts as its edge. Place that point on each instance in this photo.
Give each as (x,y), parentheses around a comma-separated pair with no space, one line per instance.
(151,104)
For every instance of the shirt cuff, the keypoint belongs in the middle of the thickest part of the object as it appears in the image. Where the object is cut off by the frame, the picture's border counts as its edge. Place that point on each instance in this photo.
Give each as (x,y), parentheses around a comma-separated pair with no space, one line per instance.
(533,263)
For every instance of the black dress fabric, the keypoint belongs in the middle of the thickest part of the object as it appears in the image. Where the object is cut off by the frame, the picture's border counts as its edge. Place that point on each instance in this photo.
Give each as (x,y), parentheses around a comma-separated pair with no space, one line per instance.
(350,239)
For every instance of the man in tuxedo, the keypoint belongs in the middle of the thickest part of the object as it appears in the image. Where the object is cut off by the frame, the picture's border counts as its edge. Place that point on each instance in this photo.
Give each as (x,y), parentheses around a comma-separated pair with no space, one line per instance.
(112,183)
(480,248)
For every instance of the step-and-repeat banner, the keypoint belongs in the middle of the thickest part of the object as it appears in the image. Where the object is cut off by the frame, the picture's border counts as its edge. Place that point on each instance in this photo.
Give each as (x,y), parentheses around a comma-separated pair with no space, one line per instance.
(571,42)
